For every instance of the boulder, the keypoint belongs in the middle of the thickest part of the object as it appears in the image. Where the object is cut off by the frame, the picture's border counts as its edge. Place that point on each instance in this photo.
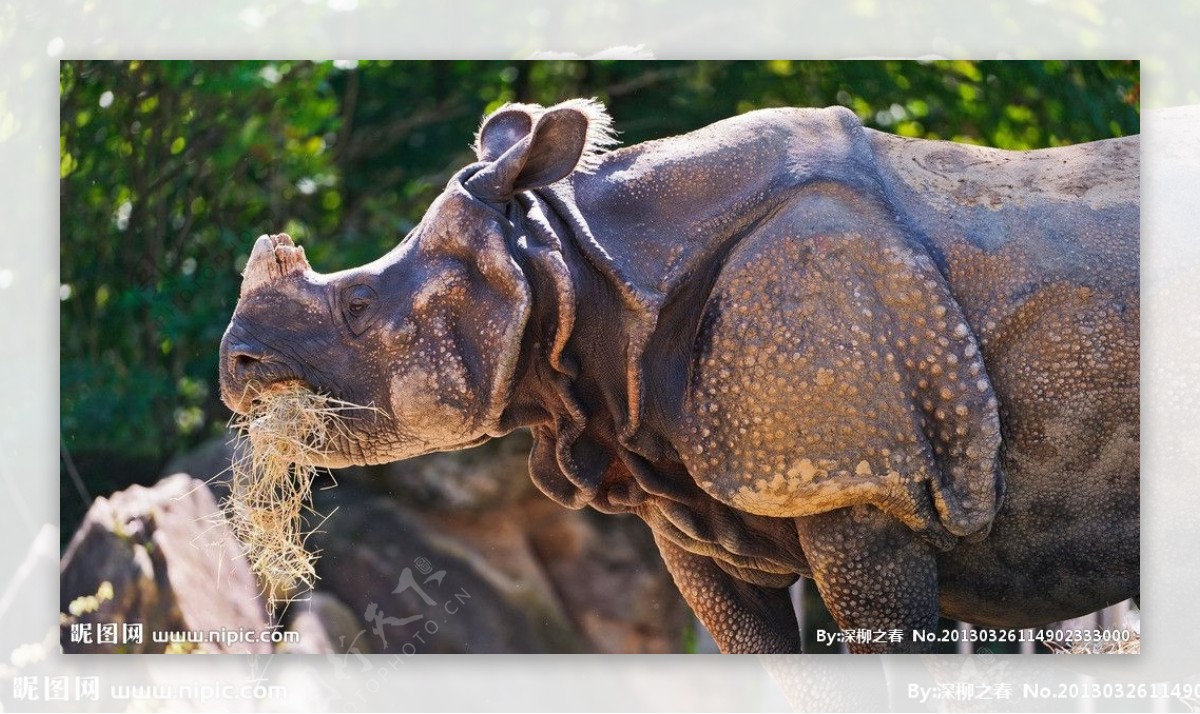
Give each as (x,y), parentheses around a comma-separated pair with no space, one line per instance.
(417,588)
(173,566)
(475,480)
(609,577)
(524,575)
(325,626)
(209,462)
(520,573)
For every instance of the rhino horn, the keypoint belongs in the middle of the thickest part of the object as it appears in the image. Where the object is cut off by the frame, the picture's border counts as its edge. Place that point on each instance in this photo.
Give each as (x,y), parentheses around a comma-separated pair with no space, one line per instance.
(273,257)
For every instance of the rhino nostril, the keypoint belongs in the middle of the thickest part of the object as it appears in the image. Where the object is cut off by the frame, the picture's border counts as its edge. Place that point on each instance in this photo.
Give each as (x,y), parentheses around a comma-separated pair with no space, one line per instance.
(243,363)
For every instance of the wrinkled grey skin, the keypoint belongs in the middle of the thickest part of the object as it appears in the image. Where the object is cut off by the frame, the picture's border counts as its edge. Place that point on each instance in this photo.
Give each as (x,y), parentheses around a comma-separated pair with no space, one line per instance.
(792,345)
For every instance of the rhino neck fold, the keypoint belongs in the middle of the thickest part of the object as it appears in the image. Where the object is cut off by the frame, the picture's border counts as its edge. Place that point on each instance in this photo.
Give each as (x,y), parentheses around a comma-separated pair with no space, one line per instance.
(571,393)
(623,278)
(621,262)
(596,425)
(576,387)
(619,285)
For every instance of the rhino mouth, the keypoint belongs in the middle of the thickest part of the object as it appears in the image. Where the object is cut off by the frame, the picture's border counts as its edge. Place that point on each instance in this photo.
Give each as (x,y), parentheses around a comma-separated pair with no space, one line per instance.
(250,384)
(269,391)
(252,370)
(248,395)
(323,430)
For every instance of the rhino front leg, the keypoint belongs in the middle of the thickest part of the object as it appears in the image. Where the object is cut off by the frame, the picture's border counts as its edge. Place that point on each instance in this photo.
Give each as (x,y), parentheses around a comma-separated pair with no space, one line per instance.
(874,574)
(743,618)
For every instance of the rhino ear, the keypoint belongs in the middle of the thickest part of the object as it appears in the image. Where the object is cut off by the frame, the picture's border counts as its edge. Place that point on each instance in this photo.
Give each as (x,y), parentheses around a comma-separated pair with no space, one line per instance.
(500,131)
(546,154)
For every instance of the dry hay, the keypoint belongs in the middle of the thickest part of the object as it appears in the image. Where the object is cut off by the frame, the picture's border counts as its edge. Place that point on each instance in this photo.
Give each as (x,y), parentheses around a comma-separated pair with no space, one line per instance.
(1133,645)
(268,507)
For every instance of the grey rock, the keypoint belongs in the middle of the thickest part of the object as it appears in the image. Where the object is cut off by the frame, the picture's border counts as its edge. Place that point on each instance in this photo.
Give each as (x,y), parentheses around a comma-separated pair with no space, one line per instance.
(458,595)
(477,479)
(528,576)
(173,565)
(325,626)
(209,462)
(521,573)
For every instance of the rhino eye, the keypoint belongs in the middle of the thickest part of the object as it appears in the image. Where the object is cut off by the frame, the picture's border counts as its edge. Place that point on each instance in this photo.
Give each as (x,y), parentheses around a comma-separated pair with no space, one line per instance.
(357,300)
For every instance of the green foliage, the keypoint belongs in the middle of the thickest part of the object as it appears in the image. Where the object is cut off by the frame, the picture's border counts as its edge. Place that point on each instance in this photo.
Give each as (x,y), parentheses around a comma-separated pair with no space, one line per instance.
(167,169)
(170,169)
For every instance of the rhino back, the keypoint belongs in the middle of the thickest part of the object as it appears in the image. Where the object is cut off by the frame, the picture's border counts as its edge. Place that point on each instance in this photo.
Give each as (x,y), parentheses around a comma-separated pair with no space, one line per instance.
(1065,213)
(663,209)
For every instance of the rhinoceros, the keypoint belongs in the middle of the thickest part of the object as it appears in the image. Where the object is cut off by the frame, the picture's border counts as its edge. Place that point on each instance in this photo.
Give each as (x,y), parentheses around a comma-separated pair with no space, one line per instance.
(792,345)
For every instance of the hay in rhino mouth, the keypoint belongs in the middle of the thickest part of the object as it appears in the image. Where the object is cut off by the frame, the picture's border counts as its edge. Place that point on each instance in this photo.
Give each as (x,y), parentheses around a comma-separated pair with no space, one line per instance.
(269,506)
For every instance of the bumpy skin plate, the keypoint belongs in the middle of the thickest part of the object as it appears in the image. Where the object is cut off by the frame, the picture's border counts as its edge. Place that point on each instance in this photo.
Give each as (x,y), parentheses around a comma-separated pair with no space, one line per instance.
(836,369)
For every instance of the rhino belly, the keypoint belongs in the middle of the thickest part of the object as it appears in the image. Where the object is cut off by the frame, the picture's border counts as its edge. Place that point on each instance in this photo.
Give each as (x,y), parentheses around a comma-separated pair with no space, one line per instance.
(1063,545)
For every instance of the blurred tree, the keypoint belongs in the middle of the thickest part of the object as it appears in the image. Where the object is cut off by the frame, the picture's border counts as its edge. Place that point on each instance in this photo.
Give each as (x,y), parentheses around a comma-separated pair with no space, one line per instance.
(169,169)
(166,168)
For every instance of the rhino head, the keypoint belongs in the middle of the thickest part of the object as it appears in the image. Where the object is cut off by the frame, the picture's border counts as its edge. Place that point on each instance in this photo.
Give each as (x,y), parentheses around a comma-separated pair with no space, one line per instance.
(429,336)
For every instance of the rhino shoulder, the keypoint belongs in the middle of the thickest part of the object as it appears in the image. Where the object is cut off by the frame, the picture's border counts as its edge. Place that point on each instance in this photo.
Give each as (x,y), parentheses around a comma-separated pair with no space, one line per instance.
(832,368)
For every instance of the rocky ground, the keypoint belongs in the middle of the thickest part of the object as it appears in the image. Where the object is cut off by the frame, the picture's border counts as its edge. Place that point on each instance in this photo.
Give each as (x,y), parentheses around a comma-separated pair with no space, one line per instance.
(448,553)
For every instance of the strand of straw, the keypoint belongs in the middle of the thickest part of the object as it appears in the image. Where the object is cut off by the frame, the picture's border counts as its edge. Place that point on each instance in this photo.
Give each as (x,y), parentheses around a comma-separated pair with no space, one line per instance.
(271,484)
